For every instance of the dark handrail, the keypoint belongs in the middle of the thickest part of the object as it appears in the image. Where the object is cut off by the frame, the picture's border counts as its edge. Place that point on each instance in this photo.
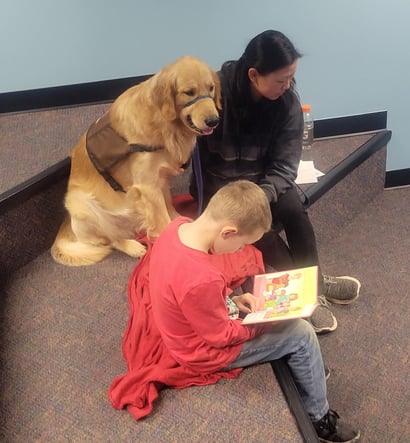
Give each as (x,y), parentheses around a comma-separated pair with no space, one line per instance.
(352,161)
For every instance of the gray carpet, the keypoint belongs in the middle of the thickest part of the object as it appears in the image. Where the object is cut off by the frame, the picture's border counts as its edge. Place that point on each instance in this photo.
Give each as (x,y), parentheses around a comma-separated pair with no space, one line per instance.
(61,348)
(369,352)
(61,328)
(31,142)
(61,336)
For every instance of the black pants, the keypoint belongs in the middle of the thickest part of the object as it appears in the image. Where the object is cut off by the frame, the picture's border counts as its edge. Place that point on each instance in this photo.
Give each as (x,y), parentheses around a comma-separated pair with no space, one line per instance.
(300,250)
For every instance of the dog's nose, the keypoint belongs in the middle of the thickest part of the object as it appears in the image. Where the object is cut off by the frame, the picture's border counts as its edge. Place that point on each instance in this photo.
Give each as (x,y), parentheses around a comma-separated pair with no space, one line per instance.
(211,122)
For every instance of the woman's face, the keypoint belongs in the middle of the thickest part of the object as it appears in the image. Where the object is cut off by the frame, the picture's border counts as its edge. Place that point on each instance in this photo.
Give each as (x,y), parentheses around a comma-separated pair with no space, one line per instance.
(272,85)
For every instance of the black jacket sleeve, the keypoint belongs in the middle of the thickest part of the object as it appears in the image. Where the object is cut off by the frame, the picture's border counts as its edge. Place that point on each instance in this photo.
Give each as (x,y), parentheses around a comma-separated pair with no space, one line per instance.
(284,153)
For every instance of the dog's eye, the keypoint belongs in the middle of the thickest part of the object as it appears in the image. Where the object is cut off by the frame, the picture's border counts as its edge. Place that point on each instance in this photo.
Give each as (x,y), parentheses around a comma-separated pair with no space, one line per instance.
(190,92)
(212,88)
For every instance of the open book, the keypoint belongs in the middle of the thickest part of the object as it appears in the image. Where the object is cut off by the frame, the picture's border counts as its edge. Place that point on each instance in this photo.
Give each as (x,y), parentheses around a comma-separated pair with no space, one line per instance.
(284,295)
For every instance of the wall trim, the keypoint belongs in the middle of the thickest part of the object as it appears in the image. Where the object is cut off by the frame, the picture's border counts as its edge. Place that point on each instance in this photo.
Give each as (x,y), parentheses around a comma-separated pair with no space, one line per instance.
(108,90)
(398,177)
(69,95)
(350,124)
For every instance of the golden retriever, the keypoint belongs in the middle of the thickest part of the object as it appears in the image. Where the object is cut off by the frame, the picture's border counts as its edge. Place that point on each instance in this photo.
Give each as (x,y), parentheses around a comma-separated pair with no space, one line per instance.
(120,169)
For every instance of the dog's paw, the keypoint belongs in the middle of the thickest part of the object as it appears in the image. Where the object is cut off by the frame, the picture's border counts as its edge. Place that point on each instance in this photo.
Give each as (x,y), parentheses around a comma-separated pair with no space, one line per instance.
(130,247)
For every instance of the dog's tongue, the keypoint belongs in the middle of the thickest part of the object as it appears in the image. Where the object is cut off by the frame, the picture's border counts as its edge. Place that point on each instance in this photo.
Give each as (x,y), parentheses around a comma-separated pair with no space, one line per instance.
(207,131)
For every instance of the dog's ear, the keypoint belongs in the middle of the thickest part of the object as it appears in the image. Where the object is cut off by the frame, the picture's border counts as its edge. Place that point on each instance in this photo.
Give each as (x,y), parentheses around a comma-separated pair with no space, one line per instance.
(217,99)
(164,93)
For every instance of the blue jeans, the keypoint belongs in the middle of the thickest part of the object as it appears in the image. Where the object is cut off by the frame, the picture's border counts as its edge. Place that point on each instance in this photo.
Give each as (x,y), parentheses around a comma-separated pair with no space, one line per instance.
(297,340)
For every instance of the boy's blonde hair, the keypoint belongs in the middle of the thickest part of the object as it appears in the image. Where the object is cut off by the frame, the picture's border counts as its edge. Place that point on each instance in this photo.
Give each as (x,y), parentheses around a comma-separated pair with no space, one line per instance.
(243,204)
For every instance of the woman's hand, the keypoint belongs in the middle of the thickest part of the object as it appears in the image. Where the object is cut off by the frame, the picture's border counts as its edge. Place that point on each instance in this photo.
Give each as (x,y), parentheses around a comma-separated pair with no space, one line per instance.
(246,302)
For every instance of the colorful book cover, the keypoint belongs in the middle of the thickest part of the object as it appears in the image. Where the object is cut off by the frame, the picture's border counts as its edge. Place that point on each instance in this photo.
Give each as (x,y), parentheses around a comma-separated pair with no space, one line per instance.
(284,295)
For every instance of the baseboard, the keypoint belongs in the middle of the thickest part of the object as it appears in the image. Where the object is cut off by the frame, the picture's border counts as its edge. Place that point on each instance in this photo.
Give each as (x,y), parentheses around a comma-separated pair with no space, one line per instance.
(350,124)
(398,177)
(108,90)
(103,91)
(70,95)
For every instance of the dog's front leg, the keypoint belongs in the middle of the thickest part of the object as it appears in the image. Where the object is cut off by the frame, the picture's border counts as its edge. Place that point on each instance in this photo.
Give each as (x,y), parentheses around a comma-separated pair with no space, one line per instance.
(150,209)
(166,190)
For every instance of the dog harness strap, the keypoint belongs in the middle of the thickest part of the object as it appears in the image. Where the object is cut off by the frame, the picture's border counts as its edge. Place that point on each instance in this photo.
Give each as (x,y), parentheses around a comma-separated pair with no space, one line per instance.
(111,181)
(106,148)
(200,97)
(135,147)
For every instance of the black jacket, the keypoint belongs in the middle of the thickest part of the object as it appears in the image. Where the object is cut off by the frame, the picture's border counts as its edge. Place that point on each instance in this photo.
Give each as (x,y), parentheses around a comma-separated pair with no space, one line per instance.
(264,149)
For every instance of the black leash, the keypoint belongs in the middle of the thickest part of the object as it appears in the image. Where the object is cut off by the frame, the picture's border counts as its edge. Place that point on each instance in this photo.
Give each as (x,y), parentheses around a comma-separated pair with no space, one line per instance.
(196,164)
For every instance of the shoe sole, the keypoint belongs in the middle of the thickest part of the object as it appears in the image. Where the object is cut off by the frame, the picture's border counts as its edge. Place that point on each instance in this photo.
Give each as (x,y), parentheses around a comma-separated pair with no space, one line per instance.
(327,329)
(353,440)
(350,300)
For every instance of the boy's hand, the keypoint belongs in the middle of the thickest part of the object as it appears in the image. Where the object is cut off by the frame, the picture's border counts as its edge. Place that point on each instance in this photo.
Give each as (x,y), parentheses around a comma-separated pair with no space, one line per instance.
(245,302)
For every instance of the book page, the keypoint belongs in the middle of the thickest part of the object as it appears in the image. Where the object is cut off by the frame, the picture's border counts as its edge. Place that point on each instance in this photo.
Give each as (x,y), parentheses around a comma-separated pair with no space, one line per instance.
(284,295)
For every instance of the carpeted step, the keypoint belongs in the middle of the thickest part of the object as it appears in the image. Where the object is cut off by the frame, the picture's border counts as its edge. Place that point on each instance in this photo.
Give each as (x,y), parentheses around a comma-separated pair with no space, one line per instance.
(62,327)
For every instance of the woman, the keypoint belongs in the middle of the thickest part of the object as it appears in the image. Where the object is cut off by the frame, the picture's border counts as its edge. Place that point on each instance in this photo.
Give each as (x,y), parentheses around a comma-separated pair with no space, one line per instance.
(259,138)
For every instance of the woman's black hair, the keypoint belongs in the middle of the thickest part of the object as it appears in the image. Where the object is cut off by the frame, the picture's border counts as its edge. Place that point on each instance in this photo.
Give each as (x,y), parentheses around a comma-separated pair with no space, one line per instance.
(267,52)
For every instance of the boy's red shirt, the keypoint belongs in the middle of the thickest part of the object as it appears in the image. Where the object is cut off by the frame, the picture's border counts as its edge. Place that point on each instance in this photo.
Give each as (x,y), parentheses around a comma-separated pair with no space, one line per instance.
(188,293)
(150,364)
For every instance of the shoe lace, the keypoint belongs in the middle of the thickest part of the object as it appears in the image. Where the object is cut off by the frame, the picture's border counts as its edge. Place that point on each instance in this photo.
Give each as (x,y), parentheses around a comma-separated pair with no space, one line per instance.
(322,301)
(329,280)
(329,421)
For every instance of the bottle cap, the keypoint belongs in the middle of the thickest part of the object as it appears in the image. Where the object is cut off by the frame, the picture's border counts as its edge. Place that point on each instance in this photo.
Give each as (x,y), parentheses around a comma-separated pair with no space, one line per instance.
(306,108)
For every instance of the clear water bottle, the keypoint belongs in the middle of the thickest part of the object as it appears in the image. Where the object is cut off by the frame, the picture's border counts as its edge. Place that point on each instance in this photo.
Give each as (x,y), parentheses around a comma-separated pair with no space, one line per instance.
(307,127)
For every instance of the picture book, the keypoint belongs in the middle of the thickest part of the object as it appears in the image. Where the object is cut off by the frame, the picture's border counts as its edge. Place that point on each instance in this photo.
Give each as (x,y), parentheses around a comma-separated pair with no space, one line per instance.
(284,295)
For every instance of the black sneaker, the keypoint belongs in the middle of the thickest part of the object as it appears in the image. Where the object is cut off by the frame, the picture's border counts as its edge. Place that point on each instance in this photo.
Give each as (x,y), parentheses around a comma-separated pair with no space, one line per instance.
(331,429)
(322,319)
(341,290)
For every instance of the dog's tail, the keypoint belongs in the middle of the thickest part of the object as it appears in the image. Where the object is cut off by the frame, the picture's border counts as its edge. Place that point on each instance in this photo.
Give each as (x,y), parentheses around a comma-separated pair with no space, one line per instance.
(68,251)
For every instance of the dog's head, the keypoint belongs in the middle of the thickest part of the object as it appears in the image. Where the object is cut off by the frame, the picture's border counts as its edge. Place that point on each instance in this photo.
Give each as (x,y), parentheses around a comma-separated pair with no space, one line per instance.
(189,90)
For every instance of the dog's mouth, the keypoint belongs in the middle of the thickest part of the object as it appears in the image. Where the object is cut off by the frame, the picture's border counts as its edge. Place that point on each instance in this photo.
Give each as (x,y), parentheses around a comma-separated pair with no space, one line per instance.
(206,131)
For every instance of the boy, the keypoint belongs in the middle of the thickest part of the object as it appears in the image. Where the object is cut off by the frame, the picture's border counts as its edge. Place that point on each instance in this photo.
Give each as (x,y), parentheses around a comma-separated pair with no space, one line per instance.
(188,295)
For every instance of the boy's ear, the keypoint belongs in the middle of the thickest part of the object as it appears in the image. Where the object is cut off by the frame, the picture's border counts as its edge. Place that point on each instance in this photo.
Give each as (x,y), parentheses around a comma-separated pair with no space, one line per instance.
(228,231)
